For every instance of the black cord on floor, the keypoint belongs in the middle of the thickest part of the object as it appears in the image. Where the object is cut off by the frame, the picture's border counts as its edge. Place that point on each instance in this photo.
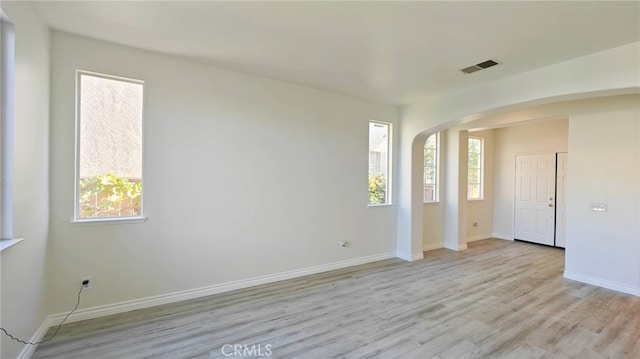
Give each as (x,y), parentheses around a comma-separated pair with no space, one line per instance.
(57,329)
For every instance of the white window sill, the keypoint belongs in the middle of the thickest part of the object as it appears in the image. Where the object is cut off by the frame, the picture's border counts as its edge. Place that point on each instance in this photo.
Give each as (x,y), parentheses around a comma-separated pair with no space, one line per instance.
(94,221)
(475,199)
(6,243)
(432,202)
(380,205)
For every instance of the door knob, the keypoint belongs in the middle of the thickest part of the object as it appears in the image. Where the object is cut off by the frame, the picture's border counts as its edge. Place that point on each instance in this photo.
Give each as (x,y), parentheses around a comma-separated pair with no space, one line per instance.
(550,204)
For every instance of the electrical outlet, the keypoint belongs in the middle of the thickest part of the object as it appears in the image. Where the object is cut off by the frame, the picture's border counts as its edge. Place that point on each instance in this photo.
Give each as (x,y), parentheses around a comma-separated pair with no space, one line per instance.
(343,244)
(89,281)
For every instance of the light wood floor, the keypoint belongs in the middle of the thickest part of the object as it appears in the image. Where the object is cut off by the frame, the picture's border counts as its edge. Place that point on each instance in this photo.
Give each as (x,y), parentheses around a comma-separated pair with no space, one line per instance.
(498,299)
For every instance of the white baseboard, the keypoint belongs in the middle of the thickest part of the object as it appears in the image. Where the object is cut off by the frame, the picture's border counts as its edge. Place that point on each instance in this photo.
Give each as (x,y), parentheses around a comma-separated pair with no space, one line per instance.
(431,246)
(507,237)
(479,237)
(455,246)
(414,256)
(126,306)
(602,283)
(28,350)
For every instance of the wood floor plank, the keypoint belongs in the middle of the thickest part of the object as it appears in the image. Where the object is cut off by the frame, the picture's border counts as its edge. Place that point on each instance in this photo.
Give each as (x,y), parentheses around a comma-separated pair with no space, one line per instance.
(497,299)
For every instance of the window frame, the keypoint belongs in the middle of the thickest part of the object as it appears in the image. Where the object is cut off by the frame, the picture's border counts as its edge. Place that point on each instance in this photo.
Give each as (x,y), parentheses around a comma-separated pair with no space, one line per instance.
(76,200)
(7,123)
(481,169)
(388,179)
(436,167)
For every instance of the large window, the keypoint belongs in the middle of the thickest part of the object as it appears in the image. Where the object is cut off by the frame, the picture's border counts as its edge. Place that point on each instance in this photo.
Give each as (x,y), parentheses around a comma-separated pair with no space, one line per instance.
(475,168)
(431,161)
(379,180)
(108,147)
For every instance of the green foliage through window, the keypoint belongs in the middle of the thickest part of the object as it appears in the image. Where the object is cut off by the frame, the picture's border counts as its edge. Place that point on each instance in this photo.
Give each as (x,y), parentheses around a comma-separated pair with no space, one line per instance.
(377,189)
(379,166)
(109,195)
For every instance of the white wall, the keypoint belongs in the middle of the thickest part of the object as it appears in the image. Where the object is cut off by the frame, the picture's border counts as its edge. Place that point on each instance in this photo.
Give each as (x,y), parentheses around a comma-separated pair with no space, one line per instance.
(543,136)
(244,177)
(433,236)
(23,265)
(603,248)
(455,190)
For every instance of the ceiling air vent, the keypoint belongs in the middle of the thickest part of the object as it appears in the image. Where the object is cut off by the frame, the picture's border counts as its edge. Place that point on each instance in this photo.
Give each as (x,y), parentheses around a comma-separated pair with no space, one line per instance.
(481,66)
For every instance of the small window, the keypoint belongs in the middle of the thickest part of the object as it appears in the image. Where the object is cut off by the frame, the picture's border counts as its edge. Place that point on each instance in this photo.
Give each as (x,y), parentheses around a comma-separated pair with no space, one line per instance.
(431,171)
(475,168)
(379,134)
(108,147)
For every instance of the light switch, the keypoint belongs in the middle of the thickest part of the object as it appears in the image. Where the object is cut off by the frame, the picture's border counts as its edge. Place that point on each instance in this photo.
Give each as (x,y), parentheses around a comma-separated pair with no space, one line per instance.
(598,207)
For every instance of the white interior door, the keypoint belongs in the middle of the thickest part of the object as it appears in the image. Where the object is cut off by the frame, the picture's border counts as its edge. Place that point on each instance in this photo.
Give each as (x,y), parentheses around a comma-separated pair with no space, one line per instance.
(535,198)
(561,199)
